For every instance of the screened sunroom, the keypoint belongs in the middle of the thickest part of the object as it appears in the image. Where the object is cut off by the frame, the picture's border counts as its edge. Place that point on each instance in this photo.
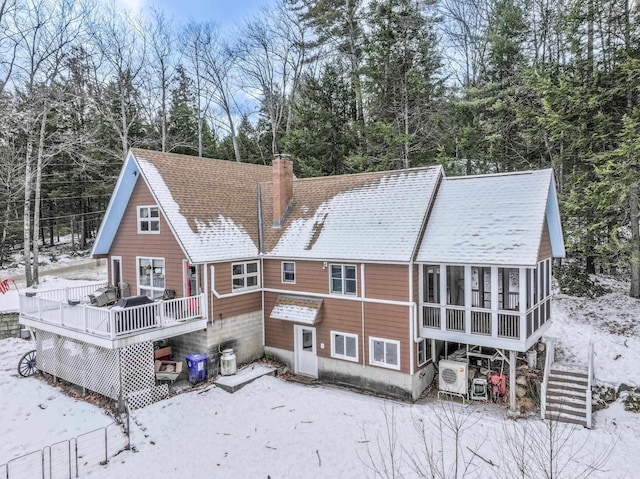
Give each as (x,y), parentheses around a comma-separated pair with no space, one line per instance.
(485,260)
(501,307)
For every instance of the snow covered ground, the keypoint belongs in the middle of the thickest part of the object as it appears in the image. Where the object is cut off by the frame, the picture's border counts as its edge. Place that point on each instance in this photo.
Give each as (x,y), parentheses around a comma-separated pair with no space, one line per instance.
(278,429)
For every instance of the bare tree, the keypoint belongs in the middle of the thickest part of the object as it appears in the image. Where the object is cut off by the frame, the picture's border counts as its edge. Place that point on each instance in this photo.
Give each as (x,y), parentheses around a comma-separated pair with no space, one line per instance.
(120,57)
(9,40)
(440,454)
(47,30)
(159,74)
(219,64)
(194,41)
(385,460)
(272,49)
(549,449)
(464,26)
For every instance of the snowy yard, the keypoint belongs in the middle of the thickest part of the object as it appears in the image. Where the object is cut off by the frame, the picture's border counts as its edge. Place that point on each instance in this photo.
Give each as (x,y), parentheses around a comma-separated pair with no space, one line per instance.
(286,430)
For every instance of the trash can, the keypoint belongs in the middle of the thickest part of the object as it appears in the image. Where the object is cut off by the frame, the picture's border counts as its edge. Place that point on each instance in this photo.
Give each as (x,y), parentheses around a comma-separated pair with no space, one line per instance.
(197,365)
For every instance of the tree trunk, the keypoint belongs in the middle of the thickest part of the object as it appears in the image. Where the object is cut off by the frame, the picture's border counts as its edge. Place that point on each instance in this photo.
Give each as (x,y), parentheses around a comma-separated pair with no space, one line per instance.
(634,291)
(38,192)
(27,216)
(124,125)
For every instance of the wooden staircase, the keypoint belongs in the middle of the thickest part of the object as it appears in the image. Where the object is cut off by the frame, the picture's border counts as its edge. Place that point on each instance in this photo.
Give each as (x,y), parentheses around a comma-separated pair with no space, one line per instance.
(566,390)
(567,395)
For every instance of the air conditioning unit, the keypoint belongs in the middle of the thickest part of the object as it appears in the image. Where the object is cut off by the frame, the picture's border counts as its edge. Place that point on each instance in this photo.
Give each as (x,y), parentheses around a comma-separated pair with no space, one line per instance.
(453,377)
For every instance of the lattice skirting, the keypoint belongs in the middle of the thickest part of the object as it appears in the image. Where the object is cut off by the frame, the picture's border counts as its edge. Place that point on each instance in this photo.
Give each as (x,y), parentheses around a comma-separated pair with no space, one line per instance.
(115,373)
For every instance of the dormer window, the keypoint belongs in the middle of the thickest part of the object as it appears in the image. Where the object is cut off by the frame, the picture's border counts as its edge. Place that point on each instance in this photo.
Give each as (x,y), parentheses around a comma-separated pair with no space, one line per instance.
(148,219)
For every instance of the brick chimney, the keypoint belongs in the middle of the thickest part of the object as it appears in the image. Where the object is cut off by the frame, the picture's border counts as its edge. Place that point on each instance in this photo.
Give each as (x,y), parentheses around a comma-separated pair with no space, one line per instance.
(282,171)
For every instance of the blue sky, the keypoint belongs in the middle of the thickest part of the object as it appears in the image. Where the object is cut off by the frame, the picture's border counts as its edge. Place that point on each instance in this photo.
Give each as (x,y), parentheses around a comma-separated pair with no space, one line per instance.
(225,13)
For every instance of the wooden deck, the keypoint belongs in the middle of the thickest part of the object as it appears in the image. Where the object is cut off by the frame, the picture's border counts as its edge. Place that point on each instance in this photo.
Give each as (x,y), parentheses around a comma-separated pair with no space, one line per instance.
(68,312)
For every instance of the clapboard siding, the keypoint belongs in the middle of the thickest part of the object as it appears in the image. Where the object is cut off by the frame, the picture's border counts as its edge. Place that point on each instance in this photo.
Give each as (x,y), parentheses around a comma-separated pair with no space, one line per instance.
(129,244)
(236,305)
(233,305)
(387,281)
(387,321)
(544,251)
(278,333)
(340,315)
(382,281)
(311,276)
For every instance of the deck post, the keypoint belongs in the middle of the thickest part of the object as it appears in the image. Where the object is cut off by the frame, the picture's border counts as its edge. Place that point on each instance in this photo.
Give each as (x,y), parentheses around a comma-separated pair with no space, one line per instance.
(512,382)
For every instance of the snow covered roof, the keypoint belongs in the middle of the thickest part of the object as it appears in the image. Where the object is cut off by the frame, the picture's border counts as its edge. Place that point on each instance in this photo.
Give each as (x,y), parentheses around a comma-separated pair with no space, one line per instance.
(297,308)
(210,205)
(492,219)
(361,217)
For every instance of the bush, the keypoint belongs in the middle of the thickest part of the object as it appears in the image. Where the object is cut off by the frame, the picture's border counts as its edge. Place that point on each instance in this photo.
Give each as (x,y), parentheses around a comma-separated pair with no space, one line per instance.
(575,281)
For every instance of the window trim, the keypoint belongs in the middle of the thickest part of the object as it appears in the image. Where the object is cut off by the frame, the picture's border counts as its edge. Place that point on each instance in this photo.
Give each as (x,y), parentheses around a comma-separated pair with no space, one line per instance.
(343,279)
(282,272)
(148,219)
(372,361)
(245,275)
(427,357)
(333,334)
(150,287)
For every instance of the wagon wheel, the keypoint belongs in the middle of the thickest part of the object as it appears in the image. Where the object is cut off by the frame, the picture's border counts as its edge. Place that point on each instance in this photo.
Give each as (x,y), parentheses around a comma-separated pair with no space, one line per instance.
(27,364)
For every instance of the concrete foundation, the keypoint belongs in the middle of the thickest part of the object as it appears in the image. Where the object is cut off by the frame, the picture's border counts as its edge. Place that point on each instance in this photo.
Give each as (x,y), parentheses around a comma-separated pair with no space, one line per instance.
(381,381)
(243,333)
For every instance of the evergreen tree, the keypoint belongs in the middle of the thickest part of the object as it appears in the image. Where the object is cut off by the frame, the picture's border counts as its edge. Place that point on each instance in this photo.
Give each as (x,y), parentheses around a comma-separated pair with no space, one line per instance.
(182,125)
(402,65)
(322,136)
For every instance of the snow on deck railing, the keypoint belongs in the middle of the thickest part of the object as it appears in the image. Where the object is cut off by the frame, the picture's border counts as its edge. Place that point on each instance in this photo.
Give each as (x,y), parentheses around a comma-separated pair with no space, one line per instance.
(114,322)
(550,357)
(590,381)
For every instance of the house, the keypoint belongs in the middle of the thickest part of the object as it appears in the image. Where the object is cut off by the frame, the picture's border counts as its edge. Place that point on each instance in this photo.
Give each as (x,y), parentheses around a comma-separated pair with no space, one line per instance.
(365,279)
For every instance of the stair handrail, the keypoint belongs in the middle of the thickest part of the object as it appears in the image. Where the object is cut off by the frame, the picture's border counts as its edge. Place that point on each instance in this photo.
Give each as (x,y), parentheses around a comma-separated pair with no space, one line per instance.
(550,356)
(590,381)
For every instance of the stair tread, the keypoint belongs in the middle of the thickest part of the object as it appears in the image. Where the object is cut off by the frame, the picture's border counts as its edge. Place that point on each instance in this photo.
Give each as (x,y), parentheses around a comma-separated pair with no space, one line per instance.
(566,419)
(566,400)
(564,395)
(569,408)
(570,368)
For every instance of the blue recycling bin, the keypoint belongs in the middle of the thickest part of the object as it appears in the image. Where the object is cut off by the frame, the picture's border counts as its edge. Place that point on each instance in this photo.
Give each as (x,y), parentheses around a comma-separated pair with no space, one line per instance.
(197,365)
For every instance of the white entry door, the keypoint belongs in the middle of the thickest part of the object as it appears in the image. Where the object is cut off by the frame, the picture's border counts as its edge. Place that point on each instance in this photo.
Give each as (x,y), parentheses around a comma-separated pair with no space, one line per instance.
(306,358)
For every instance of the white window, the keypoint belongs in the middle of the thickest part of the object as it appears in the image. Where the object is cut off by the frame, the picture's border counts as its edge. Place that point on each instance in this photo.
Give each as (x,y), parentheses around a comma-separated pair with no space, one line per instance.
(288,272)
(384,352)
(343,279)
(148,219)
(344,346)
(151,277)
(244,275)
(424,351)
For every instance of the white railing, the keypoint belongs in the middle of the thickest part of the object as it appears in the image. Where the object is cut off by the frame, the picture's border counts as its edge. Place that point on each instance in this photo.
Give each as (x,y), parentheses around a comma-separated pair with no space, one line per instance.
(509,325)
(590,381)
(112,322)
(77,293)
(550,357)
(481,322)
(455,319)
(431,317)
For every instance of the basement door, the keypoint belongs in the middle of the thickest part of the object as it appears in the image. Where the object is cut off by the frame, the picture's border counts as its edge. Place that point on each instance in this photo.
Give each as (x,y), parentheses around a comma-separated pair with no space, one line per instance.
(304,344)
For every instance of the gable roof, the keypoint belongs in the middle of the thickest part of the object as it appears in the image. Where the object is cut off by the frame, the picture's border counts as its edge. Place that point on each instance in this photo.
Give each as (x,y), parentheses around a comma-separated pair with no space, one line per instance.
(493,220)
(210,205)
(360,217)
